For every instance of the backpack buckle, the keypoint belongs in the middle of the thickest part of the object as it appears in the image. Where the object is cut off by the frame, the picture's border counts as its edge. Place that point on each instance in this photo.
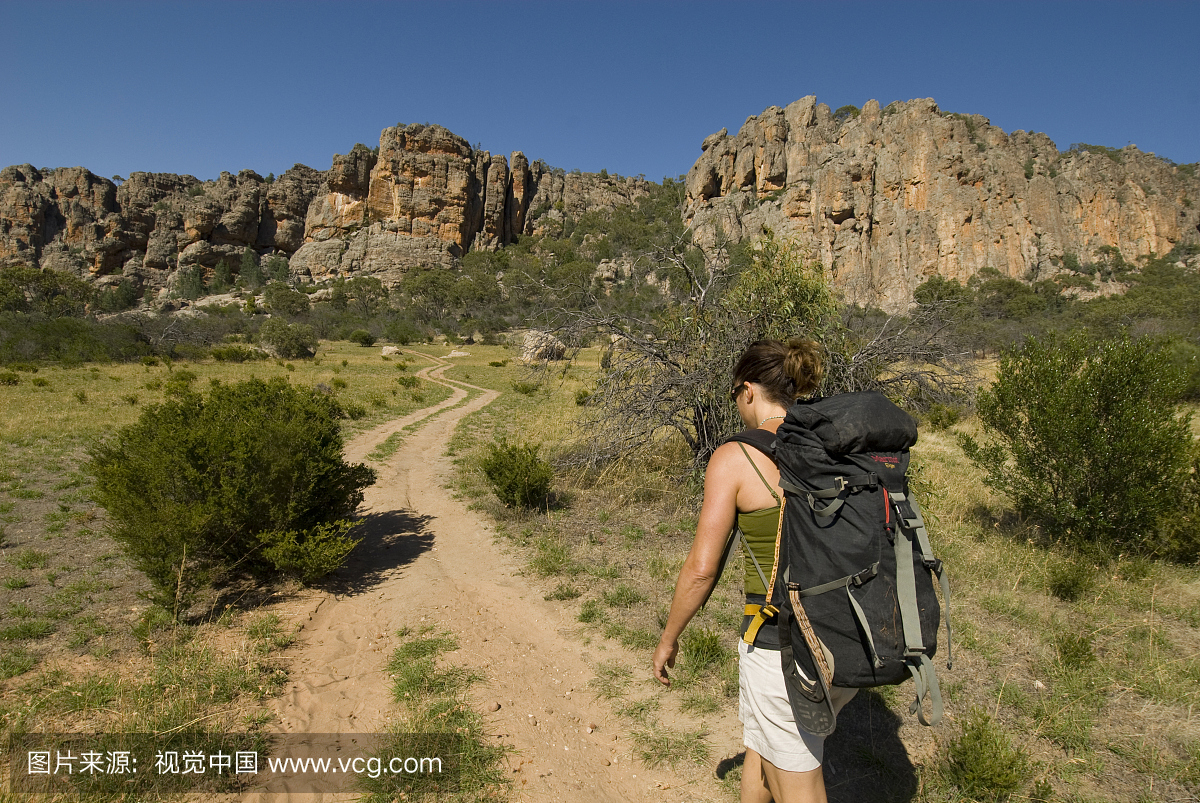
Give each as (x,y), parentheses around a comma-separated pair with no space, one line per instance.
(865,575)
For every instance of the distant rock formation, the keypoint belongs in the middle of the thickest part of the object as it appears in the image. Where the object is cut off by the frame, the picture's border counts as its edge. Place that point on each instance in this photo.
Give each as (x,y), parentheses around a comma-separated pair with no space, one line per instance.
(422,200)
(887,198)
(884,198)
(152,225)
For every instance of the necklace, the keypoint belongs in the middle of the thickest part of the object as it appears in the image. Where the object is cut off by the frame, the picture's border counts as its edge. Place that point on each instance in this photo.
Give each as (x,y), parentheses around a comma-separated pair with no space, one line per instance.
(770,418)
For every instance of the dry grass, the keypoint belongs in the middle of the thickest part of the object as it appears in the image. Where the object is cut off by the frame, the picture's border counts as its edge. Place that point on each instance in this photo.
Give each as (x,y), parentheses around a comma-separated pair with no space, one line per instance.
(1091,672)
(79,649)
(89,399)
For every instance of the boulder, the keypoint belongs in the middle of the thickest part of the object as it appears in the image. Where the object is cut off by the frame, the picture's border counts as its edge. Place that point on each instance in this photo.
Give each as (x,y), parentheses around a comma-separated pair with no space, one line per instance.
(541,347)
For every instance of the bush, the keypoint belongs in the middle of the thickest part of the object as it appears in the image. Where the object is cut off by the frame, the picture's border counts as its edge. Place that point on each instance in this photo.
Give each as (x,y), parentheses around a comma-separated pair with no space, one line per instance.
(518,476)
(288,340)
(1071,579)
(236,353)
(1086,439)
(982,762)
(9,378)
(942,416)
(362,337)
(249,477)
(283,300)
(408,381)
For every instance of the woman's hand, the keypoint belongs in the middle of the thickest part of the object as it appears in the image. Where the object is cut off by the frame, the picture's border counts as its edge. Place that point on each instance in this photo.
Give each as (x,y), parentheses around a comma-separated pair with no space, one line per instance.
(698,574)
(664,657)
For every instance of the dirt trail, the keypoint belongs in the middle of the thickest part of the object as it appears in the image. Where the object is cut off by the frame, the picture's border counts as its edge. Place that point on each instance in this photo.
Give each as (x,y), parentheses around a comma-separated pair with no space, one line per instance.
(428,560)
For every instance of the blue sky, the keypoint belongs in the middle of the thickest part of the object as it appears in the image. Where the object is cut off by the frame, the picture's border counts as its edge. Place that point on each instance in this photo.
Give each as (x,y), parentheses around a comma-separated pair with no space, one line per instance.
(631,87)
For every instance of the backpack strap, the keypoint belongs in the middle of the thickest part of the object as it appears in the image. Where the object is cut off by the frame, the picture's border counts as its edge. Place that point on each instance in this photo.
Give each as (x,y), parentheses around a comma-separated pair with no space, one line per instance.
(908,514)
(768,610)
(774,495)
(763,441)
(912,526)
(842,488)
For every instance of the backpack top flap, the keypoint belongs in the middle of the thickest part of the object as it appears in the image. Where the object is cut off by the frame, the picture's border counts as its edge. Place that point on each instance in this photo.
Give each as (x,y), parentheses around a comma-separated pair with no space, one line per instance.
(850,423)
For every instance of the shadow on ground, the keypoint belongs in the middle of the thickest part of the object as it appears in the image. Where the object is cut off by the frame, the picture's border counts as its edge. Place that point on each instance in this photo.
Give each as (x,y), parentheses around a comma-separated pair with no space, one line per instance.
(864,758)
(390,540)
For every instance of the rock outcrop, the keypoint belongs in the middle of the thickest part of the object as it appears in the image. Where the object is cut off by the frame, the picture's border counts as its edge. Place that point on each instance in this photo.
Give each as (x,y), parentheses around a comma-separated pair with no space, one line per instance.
(423,198)
(887,198)
(152,225)
(427,197)
(884,198)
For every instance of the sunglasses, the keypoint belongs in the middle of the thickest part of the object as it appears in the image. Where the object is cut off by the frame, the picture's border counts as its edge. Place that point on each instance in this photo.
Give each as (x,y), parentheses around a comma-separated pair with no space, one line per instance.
(733,394)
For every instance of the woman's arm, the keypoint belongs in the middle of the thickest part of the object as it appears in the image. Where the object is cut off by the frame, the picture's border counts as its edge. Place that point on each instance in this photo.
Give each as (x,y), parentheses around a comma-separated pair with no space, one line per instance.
(699,573)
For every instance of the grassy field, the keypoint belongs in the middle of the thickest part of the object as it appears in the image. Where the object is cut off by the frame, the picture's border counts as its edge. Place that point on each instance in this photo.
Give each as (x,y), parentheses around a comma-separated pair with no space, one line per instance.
(79,648)
(1071,681)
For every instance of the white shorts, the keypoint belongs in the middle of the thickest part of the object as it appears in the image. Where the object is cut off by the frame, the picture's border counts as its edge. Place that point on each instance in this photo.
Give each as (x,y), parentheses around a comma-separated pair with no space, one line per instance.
(769,728)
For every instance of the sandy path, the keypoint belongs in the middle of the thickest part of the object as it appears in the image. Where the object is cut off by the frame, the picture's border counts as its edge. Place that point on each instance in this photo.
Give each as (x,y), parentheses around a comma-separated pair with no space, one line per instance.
(429,560)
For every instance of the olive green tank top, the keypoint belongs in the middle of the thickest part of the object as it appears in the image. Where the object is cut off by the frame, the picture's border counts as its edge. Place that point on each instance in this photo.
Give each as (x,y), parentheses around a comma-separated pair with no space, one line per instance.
(759,528)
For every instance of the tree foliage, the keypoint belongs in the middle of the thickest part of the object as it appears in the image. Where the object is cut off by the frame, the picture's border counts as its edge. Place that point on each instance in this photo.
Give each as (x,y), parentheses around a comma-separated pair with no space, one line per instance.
(288,340)
(48,293)
(249,477)
(672,370)
(1086,440)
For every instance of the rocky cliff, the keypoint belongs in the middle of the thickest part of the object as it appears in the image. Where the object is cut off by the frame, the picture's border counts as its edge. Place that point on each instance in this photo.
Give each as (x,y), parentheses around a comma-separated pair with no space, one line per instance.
(422,199)
(887,198)
(884,198)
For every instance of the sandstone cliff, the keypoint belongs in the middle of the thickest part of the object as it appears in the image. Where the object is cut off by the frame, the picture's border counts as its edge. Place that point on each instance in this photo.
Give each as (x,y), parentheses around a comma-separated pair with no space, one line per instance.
(886,198)
(422,199)
(427,197)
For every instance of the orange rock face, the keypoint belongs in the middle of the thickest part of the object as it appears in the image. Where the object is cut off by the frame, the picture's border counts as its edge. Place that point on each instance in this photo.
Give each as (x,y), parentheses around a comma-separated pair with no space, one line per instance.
(886,198)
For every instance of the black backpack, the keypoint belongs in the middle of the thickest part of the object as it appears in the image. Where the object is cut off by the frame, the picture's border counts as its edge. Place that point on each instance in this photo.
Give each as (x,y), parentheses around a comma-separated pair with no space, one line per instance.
(854,588)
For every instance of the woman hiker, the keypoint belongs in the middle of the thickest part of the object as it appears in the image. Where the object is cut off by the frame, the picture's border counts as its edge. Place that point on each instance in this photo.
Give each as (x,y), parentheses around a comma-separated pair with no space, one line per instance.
(741,486)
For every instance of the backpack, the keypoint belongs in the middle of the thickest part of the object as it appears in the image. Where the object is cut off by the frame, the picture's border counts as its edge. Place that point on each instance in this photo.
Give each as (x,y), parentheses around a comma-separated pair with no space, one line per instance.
(853,587)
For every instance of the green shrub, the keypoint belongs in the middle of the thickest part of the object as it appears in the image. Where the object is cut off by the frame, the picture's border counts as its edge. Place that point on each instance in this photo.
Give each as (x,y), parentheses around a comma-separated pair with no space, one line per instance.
(1071,579)
(408,381)
(288,340)
(180,382)
(581,397)
(982,762)
(1075,651)
(190,282)
(40,382)
(9,378)
(276,268)
(283,300)
(1086,440)
(362,337)
(311,554)
(403,332)
(250,476)
(518,476)
(249,271)
(524,388)
(942,416)
(236,353)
